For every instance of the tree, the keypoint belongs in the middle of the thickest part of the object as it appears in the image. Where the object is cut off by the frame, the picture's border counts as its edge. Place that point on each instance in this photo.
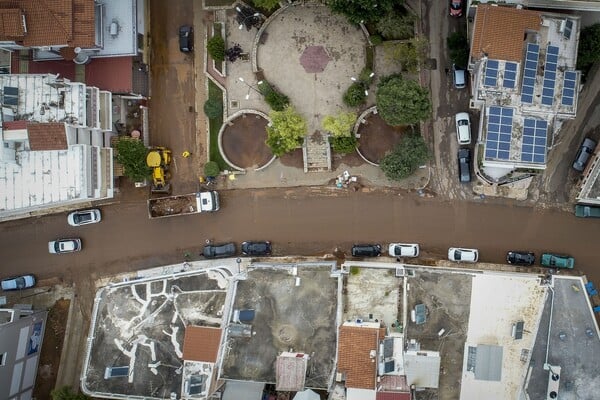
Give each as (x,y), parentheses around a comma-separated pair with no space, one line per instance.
(402,101)
(364,11)
(410,54)
(266,4)
(131,153)
(355,95)
(276,100)
(211,168)
(344,144)
(66,393)
(406,157)
(589,47)
(213,107)
(340,125)
(216,48)
(458,48)
(397,26)
(286,132)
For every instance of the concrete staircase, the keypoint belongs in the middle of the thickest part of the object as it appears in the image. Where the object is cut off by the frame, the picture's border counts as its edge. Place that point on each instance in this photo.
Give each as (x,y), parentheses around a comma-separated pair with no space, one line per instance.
(317,153)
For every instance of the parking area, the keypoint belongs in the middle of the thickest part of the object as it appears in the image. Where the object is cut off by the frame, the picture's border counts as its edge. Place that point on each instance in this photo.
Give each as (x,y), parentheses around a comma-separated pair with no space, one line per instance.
(295,308)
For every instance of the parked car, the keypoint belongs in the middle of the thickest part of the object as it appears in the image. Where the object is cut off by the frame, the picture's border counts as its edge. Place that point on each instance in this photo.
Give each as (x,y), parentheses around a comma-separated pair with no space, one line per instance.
(219,250)
(403,250)
(18,282)
(464,165)
(464,255)
(463,128)
(456,8)
(584,211)
(186,38)
(60,246)
(520,257)
(552,260)
(256,248)
(84,217)
(459,77)
(583,154)
(366,250)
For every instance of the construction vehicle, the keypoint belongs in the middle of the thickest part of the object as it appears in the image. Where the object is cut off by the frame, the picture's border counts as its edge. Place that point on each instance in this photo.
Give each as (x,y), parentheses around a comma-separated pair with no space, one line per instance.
(159,159)
(185,204)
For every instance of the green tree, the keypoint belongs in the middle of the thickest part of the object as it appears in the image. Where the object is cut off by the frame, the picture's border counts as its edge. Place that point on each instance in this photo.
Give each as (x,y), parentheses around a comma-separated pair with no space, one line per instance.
(131,153)
(397,26)
(286,132)
(458,48)
(588,52)
(275,99)
(410,54)
(340,125)
(66,393)
(213,107)
(406,157)
(402,101)
(366,11)
(216,48)
(344,144)
(266,4)
(211,168)
(355,95)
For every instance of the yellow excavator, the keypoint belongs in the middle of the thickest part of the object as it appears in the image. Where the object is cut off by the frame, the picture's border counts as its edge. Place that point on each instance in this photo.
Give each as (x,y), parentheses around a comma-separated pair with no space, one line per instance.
(159,159)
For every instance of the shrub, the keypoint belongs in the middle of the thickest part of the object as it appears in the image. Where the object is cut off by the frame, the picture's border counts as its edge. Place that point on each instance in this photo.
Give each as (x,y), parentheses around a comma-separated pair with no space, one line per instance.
(213,108)
(406,157)
(396,26)
(211,168)
(286,132)
(339,125)
(375,39)
(276,100)
(216,48)
(355,95)
(131,153)
(402,101)
(344,144)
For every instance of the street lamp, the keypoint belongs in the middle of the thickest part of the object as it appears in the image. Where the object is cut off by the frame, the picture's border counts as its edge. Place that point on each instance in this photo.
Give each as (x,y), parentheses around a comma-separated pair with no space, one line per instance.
(239,261)
(250,87)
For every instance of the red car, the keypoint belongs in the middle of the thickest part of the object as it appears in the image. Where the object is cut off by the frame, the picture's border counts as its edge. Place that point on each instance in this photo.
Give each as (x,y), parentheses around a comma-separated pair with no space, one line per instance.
(456,8)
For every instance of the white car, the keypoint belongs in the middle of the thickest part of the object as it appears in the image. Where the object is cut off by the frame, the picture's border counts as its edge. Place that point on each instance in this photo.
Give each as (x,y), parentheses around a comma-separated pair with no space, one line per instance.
(403,250)
(464,255)
(60,246)
(463,128)
(84,217)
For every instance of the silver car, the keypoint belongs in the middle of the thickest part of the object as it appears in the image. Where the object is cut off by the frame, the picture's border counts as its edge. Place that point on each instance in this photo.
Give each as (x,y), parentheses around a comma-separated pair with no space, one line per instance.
(84,217)
(61,246)
(463,255)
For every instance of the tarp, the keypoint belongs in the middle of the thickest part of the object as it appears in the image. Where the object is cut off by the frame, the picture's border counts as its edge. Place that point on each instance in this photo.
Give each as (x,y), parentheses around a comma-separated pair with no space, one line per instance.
(236,390)
(307,395)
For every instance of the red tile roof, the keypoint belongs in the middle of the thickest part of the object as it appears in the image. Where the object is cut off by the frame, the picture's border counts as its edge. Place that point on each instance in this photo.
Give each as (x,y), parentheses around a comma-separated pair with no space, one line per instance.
(354,355)
(11,23)
(393,396)
(499,31)
(14,125)
(110,73)
(47,136)
(50,22)
(201,343)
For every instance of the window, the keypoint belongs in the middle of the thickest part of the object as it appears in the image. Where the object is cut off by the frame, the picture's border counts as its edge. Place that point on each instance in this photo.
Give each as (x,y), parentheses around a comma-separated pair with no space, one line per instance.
(3,358)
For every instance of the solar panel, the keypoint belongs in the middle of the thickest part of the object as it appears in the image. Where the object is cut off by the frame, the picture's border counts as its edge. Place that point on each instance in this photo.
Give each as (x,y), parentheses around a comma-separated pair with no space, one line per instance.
(510,75)
(535,136)
(491,73)
(499,133)
(529,73)
(568,29)
(568,92)
(550,75)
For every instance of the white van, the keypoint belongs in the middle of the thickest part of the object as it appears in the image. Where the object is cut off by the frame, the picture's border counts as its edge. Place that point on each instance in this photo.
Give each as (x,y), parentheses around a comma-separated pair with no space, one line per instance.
(463,128)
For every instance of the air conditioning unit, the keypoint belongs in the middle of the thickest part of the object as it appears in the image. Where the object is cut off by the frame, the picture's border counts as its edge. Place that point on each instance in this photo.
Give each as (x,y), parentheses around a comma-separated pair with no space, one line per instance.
(562,26)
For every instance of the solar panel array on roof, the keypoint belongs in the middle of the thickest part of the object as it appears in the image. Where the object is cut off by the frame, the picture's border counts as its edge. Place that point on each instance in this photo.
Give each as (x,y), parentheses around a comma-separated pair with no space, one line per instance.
(10,96)
(550,75)
(535,132)
(491,73)
(510,75)
(568,92)
(568,28)
(499,129)
(529,72)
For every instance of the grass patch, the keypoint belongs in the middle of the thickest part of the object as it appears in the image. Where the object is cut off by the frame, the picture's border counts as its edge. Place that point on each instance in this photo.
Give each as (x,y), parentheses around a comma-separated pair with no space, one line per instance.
(354,270)
(214,125)
(217,32)
(370,55)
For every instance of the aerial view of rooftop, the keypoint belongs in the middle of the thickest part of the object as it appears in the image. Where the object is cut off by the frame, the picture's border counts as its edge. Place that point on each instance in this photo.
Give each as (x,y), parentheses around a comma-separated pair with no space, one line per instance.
(299,199)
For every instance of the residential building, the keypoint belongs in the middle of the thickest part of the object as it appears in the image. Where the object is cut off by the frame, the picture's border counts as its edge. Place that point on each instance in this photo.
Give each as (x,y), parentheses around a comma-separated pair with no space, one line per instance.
(55,153)
(523,81)
(21,335)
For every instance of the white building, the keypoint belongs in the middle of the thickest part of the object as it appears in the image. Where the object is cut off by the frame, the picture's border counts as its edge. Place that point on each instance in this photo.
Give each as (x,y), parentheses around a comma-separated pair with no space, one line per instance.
(55,151)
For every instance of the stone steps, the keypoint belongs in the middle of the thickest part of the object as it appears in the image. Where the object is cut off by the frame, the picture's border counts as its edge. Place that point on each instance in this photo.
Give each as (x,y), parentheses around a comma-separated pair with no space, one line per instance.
(317,154)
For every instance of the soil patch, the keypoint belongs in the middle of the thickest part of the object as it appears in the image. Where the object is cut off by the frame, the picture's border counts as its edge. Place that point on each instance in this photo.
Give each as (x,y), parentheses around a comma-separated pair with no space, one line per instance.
(377,137)
(243,141)
(51,349)
(175,205)
(350,159)
(293,159)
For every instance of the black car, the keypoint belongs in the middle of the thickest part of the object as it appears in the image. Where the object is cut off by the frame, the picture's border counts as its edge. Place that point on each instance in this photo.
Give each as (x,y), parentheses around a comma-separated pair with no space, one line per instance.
(464,165)
(583,154)
(186,38)
(256,248)
(366,250)
(520,257)
(219,250)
